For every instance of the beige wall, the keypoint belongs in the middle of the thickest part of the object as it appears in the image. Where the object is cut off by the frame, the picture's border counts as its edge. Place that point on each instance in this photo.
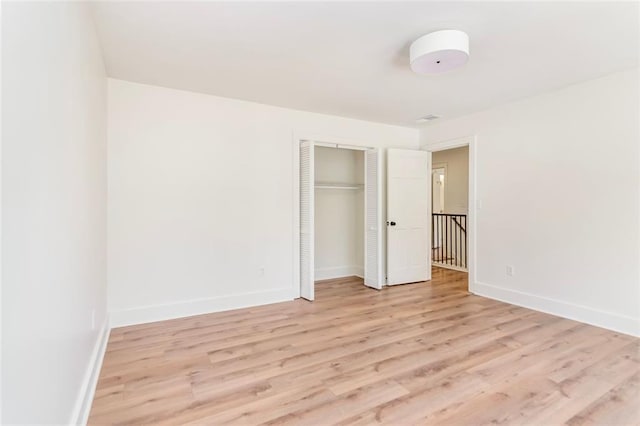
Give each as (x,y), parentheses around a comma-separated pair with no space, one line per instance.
(456,189)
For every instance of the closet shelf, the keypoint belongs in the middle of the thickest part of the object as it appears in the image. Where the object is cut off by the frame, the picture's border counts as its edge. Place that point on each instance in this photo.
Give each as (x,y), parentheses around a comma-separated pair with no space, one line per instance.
(334,185)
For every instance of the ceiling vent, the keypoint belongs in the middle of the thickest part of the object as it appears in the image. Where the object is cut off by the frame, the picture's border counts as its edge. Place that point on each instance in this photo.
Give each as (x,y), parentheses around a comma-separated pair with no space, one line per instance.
(427,118)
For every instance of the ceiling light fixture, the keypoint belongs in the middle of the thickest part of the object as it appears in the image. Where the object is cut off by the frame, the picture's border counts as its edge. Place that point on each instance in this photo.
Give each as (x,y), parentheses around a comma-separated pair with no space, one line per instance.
(439,51)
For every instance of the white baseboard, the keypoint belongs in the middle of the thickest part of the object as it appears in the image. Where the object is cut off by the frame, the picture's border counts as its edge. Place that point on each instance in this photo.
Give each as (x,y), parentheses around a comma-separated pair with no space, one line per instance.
(145,314)
(82,407)
(338,272)
(608,320)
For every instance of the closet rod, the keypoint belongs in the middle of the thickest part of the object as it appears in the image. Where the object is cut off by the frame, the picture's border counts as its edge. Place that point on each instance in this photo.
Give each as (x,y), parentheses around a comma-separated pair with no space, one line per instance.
(343,146)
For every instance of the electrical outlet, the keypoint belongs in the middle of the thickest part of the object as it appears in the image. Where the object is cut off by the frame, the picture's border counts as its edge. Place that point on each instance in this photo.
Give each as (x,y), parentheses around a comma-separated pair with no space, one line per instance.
(510,271)
(93,319)
(261,272)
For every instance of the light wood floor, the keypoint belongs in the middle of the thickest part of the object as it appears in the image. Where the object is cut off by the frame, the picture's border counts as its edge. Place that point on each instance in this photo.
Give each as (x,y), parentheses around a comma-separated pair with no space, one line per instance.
(413,354)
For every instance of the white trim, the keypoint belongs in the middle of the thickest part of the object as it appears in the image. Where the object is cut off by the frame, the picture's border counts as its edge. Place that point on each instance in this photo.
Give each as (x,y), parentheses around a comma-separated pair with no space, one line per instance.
(430,214)
(339,272)
(449,144)
(1,198)
(471,142)
(331,141)
(187,308)
(340,146)
(295,279)
(608,320)
(82,407)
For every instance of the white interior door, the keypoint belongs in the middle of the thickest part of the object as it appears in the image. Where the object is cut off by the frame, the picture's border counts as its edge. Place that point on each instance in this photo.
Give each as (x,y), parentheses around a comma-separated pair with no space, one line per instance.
(408,216)
(307,220)
(372,221)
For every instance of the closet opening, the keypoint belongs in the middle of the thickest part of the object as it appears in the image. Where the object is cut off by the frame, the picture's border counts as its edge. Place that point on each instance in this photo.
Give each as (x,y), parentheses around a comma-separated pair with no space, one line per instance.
(339,217)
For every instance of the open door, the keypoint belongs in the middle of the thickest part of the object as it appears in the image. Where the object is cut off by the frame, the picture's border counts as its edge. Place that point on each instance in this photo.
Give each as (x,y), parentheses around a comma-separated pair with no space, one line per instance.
(408,216)
(372,221)
(307,220)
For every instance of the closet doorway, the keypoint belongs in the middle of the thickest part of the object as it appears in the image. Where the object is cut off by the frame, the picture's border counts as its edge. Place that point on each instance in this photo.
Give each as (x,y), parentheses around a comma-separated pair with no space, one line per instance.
(339,214)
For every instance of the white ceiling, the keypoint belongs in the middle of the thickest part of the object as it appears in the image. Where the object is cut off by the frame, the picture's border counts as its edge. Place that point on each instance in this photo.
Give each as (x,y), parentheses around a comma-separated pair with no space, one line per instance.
(351,59)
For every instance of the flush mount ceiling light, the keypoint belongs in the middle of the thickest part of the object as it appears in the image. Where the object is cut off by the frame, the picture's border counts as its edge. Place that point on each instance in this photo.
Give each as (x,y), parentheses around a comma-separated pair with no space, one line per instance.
(439,51)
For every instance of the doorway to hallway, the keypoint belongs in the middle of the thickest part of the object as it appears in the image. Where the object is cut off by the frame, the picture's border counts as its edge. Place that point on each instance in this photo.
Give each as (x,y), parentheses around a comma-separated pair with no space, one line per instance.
(449,218)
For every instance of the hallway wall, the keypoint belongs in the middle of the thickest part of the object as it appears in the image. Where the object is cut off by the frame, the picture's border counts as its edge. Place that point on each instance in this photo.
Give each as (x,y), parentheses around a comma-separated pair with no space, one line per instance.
(456,188)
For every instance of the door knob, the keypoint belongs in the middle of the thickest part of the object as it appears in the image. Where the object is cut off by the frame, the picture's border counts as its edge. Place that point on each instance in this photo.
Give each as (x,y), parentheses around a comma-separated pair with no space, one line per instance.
(391,223)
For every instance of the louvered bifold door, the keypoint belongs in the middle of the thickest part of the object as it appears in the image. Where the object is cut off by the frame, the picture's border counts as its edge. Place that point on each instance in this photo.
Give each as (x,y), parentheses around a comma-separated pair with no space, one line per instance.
(373,206)
(306,220)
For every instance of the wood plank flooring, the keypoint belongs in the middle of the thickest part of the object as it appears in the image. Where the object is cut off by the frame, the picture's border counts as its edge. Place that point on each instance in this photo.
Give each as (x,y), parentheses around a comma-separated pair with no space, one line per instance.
(427,353)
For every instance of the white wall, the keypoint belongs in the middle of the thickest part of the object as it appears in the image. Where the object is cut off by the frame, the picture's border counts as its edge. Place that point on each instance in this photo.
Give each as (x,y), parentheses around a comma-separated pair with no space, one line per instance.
(200,211)
(339,214)
(542,188)
(456,188)
(54,209)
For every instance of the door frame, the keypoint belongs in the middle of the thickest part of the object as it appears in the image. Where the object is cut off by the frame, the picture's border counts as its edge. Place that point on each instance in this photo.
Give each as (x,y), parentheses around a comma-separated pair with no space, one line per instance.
(471,142)
(327,141)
